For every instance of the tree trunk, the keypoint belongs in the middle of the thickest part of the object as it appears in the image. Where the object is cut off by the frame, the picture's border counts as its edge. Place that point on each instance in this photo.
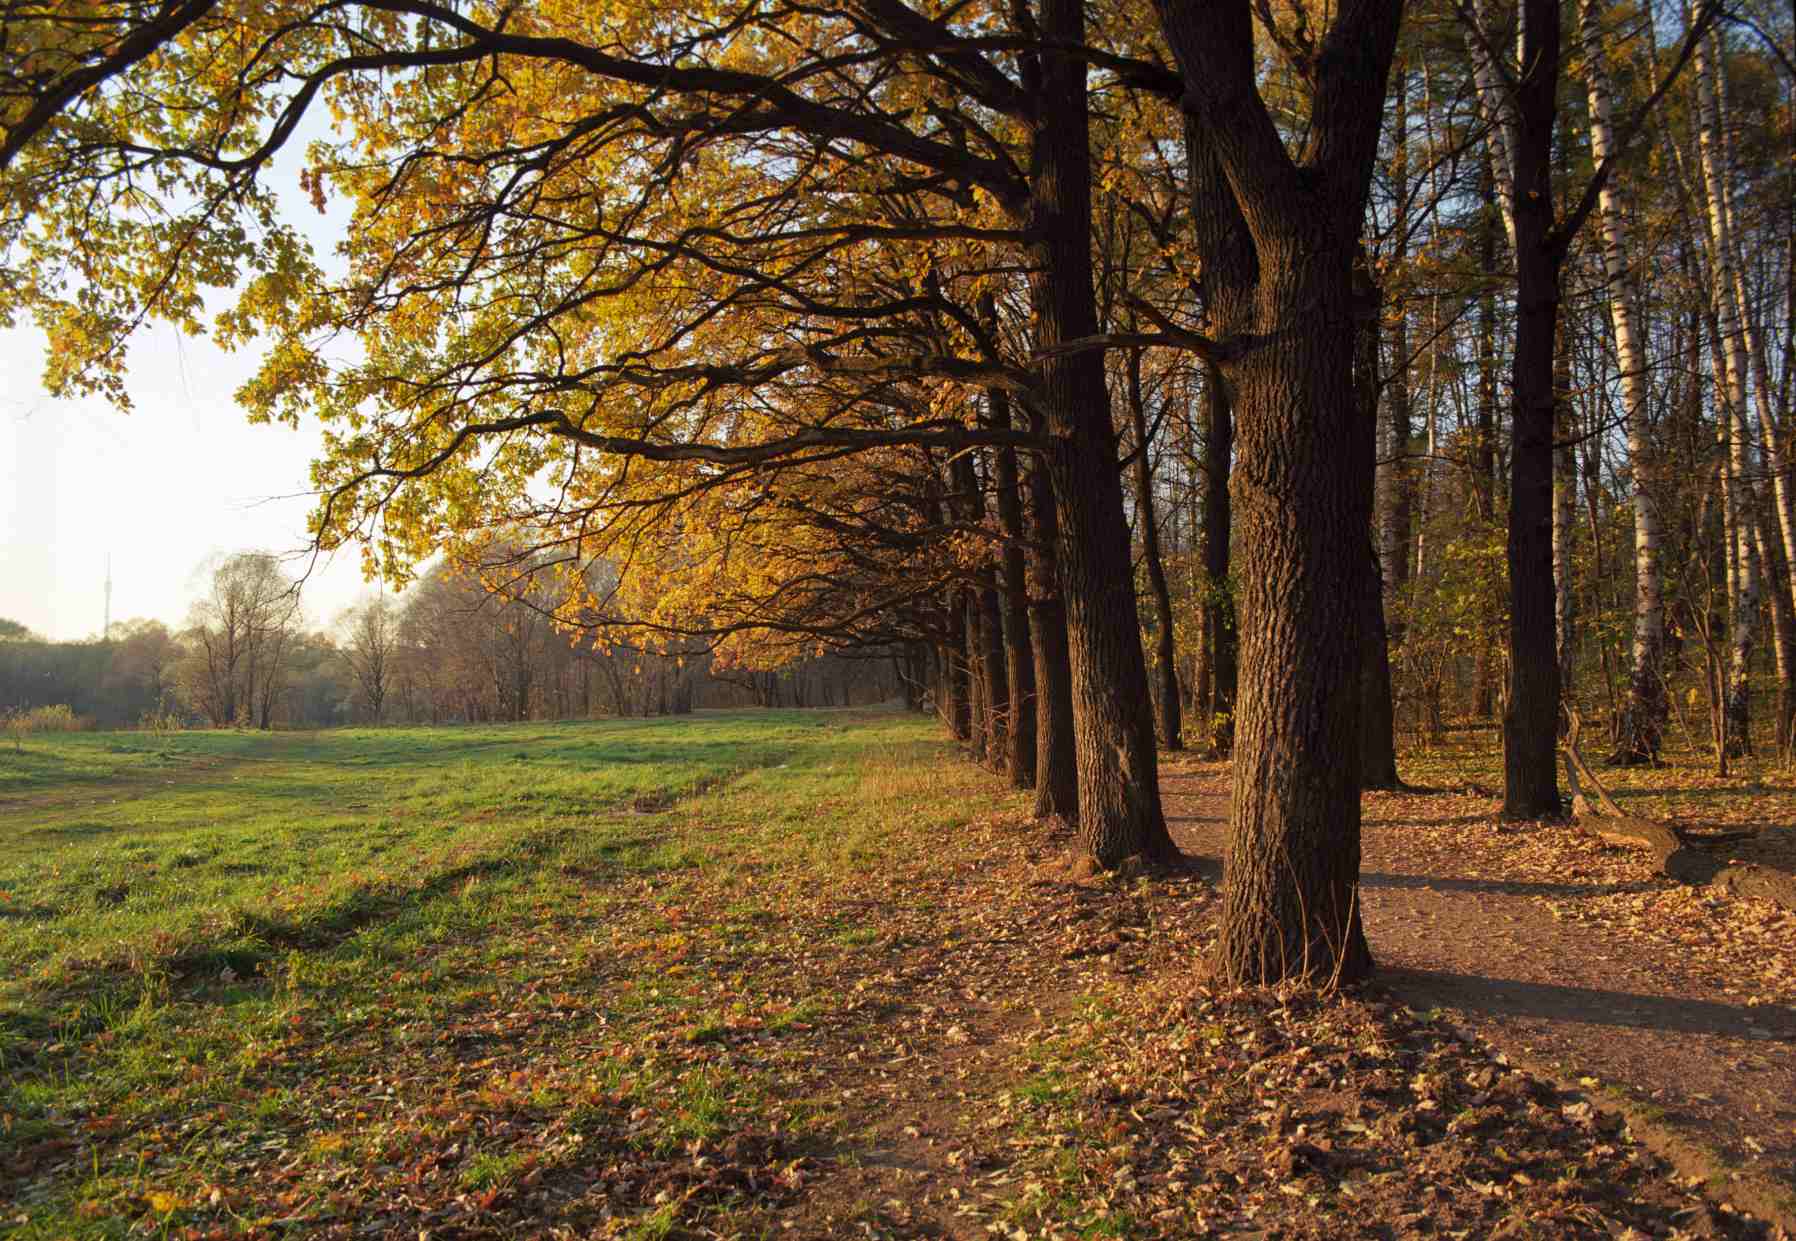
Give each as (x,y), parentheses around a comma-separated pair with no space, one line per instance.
(978,723)
(1019,661)
(1530,717)
(1378,726)
(1119,794)
(1304,472)
(1303,477)
(1219,632)
(1377,722)
(1056,760)
(994,675)
(1166,672)
(956,707)
(1502,119)
(1743,599)
(1565,523)
(1640,729)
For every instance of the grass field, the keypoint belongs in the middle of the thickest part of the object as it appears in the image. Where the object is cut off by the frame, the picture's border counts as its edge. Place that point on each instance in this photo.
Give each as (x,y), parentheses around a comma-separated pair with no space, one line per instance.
(245,974)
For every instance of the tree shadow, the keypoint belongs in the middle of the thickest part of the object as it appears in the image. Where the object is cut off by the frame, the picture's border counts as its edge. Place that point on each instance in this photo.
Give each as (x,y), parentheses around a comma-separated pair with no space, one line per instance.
(1512,997)
(1504,887)
(1195,820)
(1431,790)
(1458,820)
(1210,866)
(1700,792)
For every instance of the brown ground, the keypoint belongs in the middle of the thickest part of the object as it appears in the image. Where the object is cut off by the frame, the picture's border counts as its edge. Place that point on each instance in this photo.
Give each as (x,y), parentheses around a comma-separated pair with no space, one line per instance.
(1574,957)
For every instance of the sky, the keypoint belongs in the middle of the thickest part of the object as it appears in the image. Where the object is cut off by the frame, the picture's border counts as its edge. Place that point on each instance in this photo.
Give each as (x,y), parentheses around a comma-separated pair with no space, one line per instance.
(181,479)
(177,482)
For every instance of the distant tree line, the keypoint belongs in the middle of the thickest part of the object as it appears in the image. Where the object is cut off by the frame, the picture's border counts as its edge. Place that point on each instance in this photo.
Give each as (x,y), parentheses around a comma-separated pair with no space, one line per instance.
(452,649)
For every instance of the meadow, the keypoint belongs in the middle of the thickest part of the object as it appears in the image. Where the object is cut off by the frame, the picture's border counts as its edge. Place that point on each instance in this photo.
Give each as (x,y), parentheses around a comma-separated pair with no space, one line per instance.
(207,939)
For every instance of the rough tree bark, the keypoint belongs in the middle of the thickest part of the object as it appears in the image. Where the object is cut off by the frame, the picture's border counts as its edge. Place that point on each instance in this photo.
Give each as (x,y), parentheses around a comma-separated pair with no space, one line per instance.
(1119,795)
(1056,758)
(1302,481)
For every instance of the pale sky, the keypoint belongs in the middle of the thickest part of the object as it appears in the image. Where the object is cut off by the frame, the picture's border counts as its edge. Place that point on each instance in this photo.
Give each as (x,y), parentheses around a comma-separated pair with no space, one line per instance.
(180,479)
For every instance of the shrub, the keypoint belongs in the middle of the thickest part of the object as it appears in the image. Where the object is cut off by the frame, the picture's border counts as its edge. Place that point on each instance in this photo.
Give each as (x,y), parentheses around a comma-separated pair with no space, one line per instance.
(20,723)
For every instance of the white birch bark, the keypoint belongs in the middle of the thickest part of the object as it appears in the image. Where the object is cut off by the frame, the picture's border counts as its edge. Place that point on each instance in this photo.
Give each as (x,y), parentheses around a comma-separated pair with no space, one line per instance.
(1744,601)
(1772,435)
(1646,707)
(1496,111)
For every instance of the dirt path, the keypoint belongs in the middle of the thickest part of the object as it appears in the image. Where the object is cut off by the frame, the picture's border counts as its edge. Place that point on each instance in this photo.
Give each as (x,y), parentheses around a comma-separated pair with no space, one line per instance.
(1453,925)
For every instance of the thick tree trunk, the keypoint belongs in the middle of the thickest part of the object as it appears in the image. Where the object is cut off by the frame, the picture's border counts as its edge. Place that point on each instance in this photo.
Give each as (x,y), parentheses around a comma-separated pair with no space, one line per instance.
(1530,722)
(1119,794)
(1166,672)
(1304,482)
(1303,478)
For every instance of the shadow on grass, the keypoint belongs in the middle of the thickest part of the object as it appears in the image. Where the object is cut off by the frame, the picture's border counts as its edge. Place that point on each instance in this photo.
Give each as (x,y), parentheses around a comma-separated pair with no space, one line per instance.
(252,939)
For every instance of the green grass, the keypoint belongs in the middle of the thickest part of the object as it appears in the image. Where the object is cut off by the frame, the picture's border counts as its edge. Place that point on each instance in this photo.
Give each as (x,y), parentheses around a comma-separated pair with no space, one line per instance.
(204,850)
(242,975)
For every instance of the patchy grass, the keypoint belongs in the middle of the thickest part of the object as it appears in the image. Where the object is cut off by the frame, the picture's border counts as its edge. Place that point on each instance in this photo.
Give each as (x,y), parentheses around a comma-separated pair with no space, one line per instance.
(255,982)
